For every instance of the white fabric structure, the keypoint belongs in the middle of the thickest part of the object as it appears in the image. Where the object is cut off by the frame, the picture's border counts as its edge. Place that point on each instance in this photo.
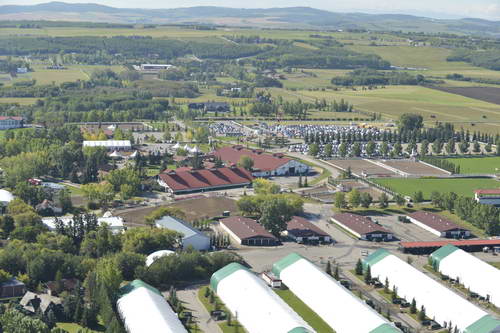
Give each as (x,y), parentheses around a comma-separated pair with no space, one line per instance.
(157,255)
(115,154)
(328,298)
(176,146)
(133,155)
(258,308)
(114,223)
(440,303)
(194,150)
(109,144)
(112,127)
(5,197)
(475,274)
(143,309)
(186,147)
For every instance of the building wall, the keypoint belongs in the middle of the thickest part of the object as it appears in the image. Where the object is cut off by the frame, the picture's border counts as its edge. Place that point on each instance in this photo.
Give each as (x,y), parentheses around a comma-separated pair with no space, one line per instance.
(10,123)
(489,201)
(198,242)
(300,168)
(232,234)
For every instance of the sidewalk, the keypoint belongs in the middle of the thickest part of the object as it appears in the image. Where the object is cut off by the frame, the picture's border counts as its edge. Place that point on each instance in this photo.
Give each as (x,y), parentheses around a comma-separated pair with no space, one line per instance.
(189,296)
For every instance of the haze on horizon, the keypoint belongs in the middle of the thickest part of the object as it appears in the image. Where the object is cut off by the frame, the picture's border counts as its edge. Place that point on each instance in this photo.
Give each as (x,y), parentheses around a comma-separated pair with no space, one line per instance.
(485,9)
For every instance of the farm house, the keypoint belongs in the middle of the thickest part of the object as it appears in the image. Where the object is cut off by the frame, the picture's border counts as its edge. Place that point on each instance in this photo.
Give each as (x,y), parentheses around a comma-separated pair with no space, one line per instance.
(475,274)
(244,294)
(137,299)
(440,303)
(328,298)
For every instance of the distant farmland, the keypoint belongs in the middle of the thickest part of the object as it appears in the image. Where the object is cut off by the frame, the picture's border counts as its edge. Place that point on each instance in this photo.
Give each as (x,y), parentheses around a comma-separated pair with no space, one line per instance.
(461,186)
(487,94)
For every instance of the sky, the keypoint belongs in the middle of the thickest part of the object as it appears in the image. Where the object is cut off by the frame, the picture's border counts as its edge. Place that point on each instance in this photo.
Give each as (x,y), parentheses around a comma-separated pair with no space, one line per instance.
(487,9)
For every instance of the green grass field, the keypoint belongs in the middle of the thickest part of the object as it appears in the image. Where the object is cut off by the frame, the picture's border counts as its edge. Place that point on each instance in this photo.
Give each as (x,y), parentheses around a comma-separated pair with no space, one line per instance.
(461,186)
(74,328)
(304,311)
(20,101)
(483,165)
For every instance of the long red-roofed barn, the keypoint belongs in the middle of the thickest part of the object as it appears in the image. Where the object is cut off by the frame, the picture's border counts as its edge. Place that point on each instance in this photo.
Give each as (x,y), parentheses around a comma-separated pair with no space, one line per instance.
(488,196)
(189,180)
(264,164)
(438,225)
(246,231)
(362,227)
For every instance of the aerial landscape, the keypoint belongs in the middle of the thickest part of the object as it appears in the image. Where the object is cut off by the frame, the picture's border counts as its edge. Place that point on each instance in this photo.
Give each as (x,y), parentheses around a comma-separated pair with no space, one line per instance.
(229,167)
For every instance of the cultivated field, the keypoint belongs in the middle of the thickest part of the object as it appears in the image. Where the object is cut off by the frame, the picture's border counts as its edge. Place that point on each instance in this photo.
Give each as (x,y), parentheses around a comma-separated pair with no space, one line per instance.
(477,165)
(461,186)
(415,168)
(20,101)
(360,166)
(487,94)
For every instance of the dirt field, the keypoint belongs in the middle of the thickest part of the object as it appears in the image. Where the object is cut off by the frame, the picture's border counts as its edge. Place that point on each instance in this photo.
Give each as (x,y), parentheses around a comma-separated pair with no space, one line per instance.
(195,209)
(414,168)
(487,94)
(359,167)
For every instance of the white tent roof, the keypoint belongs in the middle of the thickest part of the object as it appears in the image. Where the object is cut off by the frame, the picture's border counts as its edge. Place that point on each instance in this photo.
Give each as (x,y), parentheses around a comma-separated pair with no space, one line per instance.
(115,154)
(6,196)
(186,147)
(143,309)
(112,127)
(157,255)
(133,155)
(194,150)
(259,309)
(481,277)
(440,302)
(328,298)
(108,143)
(176,146)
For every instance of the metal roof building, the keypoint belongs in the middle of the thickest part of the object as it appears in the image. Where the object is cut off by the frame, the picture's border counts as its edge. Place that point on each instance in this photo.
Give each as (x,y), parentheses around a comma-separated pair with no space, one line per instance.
(361,226)
(258,308)
(475,274)
(109,144)
(438,225)
(247,231)
(192,236)
(143,309)
(440,303)
(338,307)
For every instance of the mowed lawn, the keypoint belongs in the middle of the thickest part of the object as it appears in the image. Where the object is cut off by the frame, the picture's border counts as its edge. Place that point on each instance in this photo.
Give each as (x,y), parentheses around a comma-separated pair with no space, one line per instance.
(461,186)
(486,165)
(304,311)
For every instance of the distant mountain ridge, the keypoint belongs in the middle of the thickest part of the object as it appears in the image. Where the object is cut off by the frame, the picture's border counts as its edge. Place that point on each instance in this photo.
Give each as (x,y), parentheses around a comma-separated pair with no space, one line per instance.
(291,17)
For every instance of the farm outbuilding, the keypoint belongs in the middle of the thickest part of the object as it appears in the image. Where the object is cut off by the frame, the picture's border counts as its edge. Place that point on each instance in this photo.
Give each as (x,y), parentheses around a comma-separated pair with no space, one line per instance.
(191,236)
(328,298)
(362,227)
(475,274)
(246,231)
(438,225)
(303,231)
(440,302)
(143,309)
(258,308)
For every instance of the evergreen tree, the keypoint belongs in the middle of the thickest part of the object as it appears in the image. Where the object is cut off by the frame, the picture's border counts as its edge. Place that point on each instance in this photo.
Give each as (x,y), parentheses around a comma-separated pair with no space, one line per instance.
(336,273)
(368,275)
(413,307)
(328,268)
(359,267)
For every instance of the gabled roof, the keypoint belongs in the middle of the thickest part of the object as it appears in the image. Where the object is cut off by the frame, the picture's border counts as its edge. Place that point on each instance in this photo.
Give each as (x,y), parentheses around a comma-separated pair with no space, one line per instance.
(435,221)
(172,223)
(244,227)
(186,180)
(261,160)
(488,191)
(10,118)
(301,227)
(359,224)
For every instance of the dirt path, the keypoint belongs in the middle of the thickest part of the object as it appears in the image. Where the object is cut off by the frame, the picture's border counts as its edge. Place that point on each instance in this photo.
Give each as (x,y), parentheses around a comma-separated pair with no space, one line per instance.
(189,296)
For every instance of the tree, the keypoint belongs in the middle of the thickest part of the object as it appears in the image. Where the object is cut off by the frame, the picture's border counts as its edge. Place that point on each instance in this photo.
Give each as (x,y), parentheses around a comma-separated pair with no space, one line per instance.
(418,197)
(354,198)
(157,214)
(367,275)
(264,186)
(400,201)
(476,147)
(275,215)
(421,315)
(336,273)
(340,202)
(366,200)
(328,269)
(356,149)
(383,201)
(343,149)
(370,148)
(410,122)
(436,199)
(147,240)
(328,150)
(246,162)
(101,194)
(313,149)
(413,306)
(359,267)
(384,149)
(397,149)
(450,147)
(424,148)
(488,147)
(463,147)
(437,146)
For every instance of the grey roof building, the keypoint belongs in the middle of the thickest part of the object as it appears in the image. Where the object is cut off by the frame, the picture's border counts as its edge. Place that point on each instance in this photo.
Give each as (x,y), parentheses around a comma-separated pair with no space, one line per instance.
(192,236)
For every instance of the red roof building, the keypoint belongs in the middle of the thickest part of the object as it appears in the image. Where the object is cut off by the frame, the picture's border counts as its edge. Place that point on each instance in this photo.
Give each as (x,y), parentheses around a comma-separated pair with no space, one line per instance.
(362,227)
(301,230)
(264,164)
(470,245)
(191,180)
(9,122)
(488,196)
(438,225)
(246,231)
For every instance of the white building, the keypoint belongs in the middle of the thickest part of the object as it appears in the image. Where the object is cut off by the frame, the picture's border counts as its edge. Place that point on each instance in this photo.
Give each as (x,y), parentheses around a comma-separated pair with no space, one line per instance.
(191,236)
(157,255)
(114,223)
(441,304)
(5,197)
(258,308)
(109,144)
(143,309)
(337,306)
(475,274)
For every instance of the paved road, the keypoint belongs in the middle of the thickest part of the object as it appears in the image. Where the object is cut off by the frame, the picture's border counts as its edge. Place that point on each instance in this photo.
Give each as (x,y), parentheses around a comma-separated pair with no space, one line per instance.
(189,297)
